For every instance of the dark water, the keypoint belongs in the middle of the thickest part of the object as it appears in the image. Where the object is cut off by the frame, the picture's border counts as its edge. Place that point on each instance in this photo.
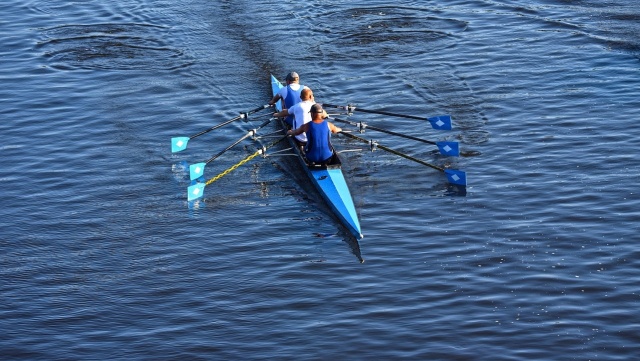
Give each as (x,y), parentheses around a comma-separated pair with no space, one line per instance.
(102,258)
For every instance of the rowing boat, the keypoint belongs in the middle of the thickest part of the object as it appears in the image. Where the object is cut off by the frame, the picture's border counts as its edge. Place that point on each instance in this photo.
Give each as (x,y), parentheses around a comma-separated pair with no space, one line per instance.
(327,179)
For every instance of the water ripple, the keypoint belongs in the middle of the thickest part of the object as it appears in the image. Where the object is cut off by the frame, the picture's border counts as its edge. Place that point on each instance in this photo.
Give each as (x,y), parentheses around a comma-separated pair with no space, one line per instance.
(109,47)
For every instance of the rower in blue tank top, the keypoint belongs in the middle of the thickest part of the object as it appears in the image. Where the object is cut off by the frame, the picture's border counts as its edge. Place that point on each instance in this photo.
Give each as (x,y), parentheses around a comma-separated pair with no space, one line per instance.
(289,94)
(318,148)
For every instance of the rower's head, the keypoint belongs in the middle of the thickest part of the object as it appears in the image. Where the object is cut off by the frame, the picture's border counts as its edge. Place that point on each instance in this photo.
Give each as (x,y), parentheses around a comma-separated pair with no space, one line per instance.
(306,94)
(293,77)
(317,112)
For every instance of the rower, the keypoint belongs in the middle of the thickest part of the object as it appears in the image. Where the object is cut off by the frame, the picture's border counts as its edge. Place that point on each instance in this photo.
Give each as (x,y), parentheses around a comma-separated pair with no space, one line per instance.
(289,94)
(318,149)
(300,114)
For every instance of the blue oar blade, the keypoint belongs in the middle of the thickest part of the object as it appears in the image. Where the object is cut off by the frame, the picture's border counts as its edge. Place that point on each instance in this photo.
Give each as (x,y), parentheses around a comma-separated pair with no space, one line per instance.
(449,148)
(178,144)
(457,177)
(195,191)
(440,122)
(196,170)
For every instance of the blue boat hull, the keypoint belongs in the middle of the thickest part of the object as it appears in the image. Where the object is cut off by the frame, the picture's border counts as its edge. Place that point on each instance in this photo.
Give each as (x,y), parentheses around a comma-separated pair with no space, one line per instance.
(329,181)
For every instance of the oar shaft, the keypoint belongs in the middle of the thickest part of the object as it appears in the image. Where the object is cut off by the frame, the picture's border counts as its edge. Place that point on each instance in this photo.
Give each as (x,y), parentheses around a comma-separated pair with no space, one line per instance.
(245,160)
(390,150)
(440,122)
(390,114)
(249,134)
(216,127)
(241,116)
(351,108)
(229,147)
(409,157)
(387,131)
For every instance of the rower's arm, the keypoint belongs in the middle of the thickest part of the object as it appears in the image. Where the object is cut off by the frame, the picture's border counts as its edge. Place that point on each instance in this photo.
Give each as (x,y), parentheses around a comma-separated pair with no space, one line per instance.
(334,129)
(298,131)
(275,99)
(281,114)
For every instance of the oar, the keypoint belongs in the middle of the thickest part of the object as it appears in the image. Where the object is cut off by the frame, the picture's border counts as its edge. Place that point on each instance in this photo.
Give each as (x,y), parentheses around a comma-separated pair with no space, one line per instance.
(197,170)
(197,190)
(446,148)
(180,143)
(457,177)
(440,122)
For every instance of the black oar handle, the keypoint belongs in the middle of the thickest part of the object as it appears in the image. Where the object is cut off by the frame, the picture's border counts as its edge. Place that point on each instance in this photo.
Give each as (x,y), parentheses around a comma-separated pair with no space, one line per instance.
(351,108)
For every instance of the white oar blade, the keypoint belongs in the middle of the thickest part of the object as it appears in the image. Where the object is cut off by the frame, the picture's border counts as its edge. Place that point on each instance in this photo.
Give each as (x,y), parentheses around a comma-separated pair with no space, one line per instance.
(457,177)
(195,191)
(179,143)
(440,122)
(196,170)
(451,149)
